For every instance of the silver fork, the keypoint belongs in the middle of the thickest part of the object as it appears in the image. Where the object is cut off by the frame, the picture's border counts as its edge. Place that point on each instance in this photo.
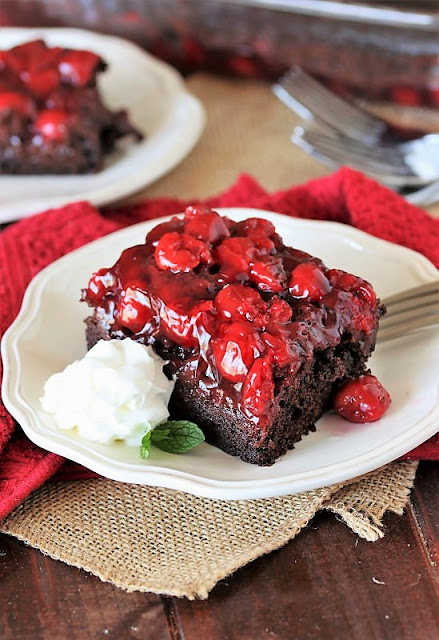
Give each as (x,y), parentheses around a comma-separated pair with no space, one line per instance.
(314,103)
(406,164)
(409,311)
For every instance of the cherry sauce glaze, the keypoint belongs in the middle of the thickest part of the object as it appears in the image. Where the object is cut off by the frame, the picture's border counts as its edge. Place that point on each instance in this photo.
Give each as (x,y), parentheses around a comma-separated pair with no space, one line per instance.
(231,306)
(48,98)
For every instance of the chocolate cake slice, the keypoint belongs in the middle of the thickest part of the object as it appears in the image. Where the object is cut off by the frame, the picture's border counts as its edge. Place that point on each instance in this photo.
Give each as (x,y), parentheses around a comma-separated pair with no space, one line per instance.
(52,117)
(257,334)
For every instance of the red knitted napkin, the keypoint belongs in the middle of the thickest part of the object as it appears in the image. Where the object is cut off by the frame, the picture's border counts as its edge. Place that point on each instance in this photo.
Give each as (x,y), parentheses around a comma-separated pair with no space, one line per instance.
(32,243)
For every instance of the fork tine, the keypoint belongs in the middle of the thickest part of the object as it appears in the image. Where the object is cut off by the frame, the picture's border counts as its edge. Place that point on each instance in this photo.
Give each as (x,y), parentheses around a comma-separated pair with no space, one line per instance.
(410,310)
(426,196)
(384,157)
(411,313)
(404,328)
(430,288)
(311,100)
(338,151)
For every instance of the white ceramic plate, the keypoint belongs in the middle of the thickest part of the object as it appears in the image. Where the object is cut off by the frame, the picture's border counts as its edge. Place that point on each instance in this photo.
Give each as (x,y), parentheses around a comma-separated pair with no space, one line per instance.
(158,104)
(49,333)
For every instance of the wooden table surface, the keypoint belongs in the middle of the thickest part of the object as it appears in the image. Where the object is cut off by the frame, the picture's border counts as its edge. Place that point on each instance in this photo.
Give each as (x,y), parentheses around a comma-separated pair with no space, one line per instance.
(327,584)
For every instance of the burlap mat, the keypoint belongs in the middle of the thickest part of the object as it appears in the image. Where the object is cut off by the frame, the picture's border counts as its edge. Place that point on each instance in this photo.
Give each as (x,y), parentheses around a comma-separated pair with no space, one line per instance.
(163,541)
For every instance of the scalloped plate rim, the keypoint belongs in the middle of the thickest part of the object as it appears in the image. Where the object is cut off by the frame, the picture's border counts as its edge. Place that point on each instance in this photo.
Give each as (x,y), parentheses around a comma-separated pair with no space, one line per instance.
(194,482)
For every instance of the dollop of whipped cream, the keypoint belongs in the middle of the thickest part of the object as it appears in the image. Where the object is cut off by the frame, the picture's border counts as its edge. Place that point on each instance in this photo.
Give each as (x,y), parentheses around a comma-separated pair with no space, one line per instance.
(118,391)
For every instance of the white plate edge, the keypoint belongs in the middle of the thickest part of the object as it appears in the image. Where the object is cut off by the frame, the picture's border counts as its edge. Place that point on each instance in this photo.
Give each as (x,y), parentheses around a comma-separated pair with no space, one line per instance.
(191,133)
(188,482)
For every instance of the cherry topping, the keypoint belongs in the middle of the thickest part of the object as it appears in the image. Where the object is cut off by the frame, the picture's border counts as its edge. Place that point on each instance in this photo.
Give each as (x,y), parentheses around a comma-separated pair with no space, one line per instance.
(258,388)
(47,58)
(133,310)
(235,349)
(268,275)
(237,302)
(308,281)
(264,245)
(206,225)
(100,282)
(228,326)
(181,252)
(77,67)
(25,56)
(41,83)
(15,101)
(256,228)
(174,224)
(367,293)
(280,348)
(235,257)
(52,124)
(280,311)
(347,281)
(362,400)
(185,328)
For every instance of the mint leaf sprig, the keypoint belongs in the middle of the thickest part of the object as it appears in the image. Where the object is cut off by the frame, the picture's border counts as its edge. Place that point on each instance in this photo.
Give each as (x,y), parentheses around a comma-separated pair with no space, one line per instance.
(173,436)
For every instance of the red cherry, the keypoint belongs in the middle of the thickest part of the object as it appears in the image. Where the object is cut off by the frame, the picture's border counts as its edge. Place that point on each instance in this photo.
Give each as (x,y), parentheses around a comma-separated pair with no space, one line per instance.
(184,328)
(78,67)
(264,245)
(366,292)
(205,225)
(244,66)
(258,388)
(194,210)
(194,52)
(235,349)
(99,284)
(255,228)
(341,279)
(25,56)
(52,124)
(280,348)
(41,83)
(261,232)
(238,302)
(235,257)
(362,400)
(348,282)
(3,59)
(180,252)
(280,311)
(133,310)
(174,224)
(48,59)
(407,96)
(15,101)
(268,275)
(308,281)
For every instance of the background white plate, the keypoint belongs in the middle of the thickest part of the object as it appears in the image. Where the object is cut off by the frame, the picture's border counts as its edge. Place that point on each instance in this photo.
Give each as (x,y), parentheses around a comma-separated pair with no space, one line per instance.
(157,103)
(49,333)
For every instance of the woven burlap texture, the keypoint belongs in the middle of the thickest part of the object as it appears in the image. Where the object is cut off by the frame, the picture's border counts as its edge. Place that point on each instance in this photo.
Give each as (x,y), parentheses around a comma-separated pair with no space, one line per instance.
(151,539)
(164,541)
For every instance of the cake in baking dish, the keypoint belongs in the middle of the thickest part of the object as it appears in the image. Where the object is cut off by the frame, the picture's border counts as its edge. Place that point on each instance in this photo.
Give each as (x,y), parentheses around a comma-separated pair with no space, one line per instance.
(52,117)
(257,334)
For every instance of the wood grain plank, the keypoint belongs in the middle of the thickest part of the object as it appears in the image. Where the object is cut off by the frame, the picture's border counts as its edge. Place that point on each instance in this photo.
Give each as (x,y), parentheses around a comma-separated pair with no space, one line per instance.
(42,599)
(326,584)
(424,510)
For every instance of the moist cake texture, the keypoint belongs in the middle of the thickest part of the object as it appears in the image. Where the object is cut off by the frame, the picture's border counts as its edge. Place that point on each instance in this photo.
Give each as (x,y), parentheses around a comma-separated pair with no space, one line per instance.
(257,334)
(52,117)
